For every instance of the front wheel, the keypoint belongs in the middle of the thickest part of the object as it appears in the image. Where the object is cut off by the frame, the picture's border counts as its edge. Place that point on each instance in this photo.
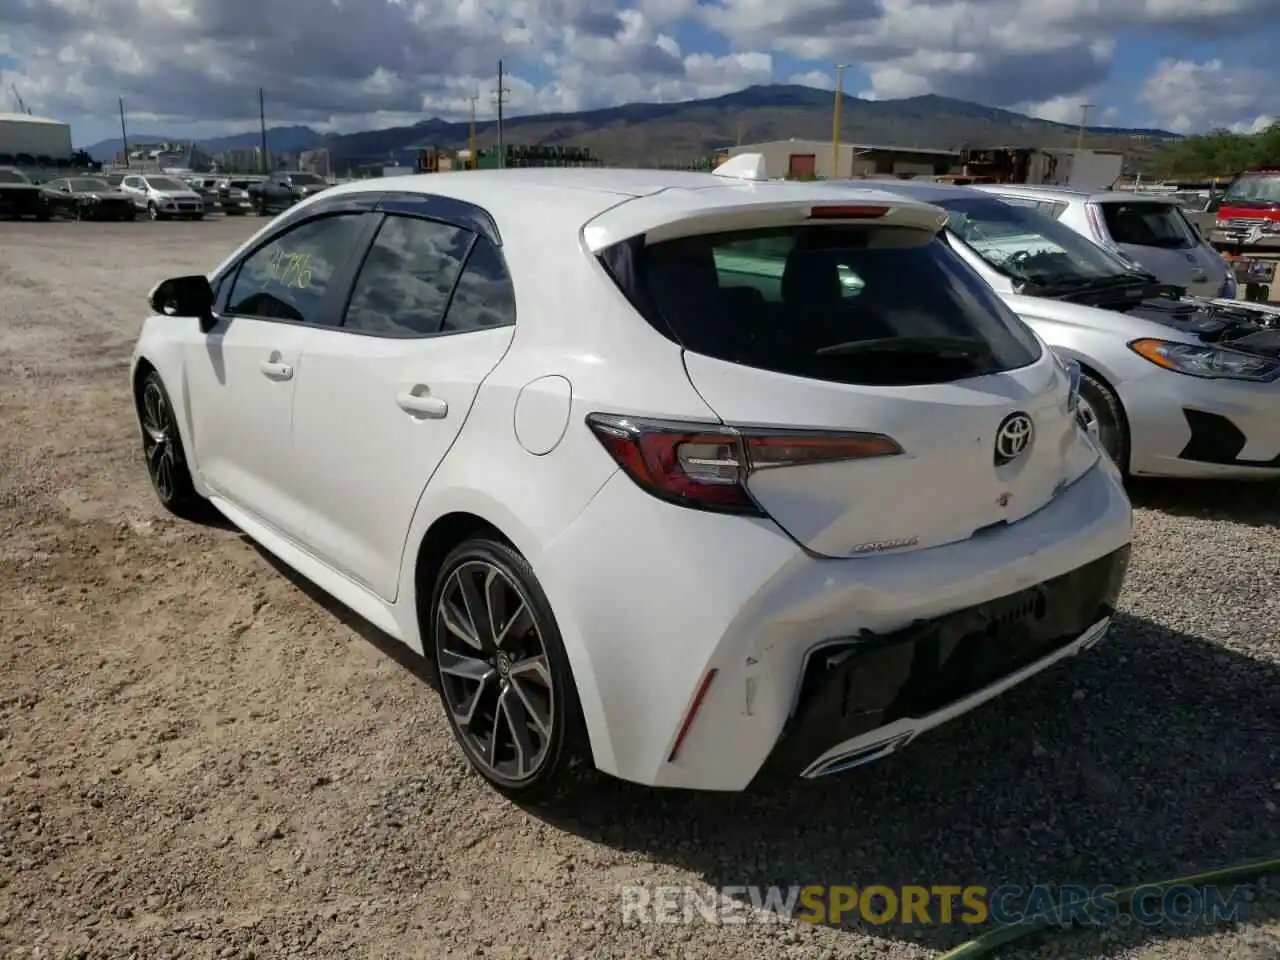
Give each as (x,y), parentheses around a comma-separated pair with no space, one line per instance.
(503,674)
(1102,417)
(162,448)
(153,211)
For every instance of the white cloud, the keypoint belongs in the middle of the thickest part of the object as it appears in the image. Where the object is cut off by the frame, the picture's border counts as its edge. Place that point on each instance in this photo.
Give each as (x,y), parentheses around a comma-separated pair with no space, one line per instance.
(337,64)
(1186,95)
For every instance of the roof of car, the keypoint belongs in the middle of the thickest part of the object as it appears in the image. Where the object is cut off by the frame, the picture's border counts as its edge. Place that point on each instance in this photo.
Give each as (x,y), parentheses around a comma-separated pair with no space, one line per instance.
(615,183)
(619,203)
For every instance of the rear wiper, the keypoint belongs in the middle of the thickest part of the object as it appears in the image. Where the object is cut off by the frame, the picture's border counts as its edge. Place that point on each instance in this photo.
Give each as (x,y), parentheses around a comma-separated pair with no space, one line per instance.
(959,348)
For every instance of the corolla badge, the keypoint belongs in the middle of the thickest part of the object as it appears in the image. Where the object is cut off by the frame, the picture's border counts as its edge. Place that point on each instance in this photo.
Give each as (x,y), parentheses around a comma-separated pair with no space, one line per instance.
(1013,437)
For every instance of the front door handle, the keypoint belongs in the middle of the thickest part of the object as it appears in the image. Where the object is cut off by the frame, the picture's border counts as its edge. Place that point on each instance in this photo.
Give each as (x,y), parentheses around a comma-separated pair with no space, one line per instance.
(276,370)
(423,405)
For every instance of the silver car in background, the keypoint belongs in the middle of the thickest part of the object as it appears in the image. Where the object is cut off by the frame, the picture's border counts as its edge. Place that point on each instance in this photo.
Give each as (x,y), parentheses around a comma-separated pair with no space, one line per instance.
(1152,230)
(1171,385)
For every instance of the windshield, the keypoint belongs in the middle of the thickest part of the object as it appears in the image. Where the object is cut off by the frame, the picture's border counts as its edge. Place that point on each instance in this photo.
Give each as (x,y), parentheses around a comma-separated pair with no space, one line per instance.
(307,179)
(1148,223)
(12,176)
(857,305)
(166,183)
(87,185)
(1253,188)
(1026,245)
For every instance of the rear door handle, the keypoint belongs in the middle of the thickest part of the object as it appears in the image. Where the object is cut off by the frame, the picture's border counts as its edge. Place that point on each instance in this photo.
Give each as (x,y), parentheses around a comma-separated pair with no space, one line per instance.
(276,370)
(423,405)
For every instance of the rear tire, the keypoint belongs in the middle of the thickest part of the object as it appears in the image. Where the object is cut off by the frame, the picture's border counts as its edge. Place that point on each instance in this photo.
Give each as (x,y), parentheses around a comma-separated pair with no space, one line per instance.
(165,458)
(508,691)
(1103,417)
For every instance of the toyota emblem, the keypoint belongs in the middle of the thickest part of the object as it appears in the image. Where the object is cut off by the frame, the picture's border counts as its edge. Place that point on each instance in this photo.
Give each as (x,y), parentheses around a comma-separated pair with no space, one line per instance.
(1013,437)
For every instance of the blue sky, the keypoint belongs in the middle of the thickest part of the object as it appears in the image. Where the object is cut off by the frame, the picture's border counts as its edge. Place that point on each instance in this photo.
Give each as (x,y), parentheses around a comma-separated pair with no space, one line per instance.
(192,67)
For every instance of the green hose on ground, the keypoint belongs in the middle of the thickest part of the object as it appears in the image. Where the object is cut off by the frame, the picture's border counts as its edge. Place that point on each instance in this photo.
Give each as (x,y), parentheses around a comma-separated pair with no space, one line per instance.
(986,944)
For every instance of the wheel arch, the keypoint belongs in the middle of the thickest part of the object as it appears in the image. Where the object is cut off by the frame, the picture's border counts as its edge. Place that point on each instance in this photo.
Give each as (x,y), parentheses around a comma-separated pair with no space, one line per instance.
(469,516)
(1094,373)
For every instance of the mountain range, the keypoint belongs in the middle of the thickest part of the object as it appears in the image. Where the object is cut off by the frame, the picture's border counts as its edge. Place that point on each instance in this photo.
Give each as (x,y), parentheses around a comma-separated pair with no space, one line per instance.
(673,133)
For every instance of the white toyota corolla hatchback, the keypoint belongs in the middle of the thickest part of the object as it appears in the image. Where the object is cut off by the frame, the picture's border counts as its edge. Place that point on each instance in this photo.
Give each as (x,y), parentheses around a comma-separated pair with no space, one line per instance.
(680,476)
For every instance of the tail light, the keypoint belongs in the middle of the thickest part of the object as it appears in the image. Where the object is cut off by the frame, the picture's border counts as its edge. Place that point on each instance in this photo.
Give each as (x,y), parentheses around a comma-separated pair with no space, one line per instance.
(706,466)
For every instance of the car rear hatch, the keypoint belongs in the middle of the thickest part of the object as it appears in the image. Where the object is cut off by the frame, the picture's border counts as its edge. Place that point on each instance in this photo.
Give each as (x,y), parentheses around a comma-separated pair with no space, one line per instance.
(815,322)
(1156,234)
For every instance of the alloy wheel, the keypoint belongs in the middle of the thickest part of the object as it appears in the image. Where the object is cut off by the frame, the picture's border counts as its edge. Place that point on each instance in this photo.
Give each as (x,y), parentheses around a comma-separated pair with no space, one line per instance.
(159,445)
(494,671)
(1088,418)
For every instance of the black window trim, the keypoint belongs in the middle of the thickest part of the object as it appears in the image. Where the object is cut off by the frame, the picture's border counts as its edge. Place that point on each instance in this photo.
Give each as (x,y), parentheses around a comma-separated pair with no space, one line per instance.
(450,211)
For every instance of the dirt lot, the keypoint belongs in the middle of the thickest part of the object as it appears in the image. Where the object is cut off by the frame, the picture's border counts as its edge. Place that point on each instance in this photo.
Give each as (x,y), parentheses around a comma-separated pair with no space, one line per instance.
(199,758)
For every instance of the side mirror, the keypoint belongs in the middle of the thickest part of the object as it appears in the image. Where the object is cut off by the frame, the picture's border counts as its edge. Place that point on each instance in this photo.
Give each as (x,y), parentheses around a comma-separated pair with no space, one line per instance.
(184,297)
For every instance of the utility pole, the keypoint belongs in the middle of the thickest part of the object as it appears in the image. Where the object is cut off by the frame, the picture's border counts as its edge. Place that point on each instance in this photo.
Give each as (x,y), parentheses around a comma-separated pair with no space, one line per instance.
(262,123)
(501,93)
(471,136)
(1084,119)
(835,121)
(124,137)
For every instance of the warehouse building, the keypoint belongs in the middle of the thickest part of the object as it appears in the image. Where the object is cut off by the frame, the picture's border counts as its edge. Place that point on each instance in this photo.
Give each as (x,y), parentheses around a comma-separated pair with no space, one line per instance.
(806,158)
(22,135)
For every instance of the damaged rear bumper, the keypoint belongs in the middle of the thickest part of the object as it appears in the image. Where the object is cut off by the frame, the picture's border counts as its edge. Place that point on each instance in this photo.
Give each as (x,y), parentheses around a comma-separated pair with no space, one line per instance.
(862,698)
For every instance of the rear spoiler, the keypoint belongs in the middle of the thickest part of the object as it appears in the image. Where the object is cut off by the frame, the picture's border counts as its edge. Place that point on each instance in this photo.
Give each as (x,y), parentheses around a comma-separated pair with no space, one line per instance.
(746,202)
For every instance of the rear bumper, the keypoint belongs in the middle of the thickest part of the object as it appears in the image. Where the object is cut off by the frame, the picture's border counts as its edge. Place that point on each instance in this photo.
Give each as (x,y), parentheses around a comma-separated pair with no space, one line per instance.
(651,597)
(864,697)
(1182,426)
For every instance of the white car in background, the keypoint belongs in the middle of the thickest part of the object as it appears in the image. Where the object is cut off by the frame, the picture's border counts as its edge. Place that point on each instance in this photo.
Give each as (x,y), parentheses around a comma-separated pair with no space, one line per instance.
(1152,230)
(163,197)
(649,507)
(1172,385)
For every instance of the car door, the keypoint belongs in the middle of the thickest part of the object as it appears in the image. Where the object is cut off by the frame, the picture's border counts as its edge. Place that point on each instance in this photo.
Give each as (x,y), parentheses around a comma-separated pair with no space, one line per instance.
(243,373)
(136,189)
(381,399)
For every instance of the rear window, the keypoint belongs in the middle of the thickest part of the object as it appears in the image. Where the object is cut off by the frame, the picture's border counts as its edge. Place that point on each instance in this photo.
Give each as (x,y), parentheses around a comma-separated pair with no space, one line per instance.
(1147,225)
(846,304)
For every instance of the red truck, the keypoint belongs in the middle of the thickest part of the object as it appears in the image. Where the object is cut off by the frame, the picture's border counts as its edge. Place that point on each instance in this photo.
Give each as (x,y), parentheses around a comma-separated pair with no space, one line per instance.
(1248,214)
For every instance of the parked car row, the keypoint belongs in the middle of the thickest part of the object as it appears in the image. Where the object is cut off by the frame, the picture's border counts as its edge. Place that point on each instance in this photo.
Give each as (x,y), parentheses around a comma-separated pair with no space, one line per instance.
(126,195)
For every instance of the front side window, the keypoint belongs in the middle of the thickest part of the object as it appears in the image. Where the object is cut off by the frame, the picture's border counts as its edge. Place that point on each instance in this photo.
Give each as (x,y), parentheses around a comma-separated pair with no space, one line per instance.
(289,277)
(864,305)
(12,176)
(407,278)
(1025,244)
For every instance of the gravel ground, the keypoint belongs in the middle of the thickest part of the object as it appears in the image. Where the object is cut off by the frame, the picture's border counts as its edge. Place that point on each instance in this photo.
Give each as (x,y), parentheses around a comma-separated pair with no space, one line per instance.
(202,758)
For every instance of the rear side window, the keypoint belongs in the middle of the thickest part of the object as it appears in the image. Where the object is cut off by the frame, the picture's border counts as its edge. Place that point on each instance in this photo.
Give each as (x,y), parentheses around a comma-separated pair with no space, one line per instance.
(484,296)
(1147,225)
(857,305)
(407,278)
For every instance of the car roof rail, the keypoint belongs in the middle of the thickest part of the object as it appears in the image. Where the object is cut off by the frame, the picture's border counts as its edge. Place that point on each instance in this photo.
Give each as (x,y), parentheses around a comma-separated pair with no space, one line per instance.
(745,166)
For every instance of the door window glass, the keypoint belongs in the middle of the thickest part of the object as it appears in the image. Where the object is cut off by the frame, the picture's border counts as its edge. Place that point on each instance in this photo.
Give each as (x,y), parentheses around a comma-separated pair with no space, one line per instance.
(404,286)
(289,278)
